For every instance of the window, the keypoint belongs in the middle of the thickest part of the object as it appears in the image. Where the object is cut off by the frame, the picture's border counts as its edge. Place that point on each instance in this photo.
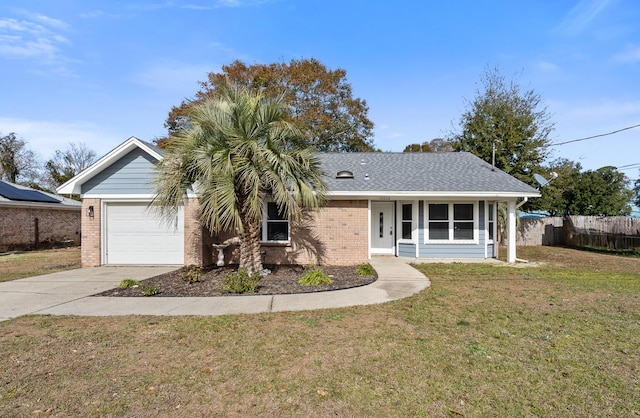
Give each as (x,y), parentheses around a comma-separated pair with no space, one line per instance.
(407,221)
(491,221)
(274,226)
(454,222)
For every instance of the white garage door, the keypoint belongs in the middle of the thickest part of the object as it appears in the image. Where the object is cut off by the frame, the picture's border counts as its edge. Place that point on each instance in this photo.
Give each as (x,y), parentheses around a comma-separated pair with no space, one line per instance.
(135,235)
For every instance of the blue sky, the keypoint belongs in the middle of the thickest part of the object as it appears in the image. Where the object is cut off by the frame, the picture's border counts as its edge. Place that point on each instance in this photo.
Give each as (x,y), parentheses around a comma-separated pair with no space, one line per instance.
(100,71)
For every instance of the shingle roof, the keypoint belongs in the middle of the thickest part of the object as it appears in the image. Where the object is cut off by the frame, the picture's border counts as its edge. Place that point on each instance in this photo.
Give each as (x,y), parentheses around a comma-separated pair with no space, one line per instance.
(417,172)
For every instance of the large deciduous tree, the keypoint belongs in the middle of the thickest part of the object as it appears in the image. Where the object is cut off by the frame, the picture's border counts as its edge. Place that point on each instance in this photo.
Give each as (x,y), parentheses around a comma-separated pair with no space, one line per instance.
(513,120)
(18,164)
(237,151)
(319,100)
(601,192)
(435,145)
(66,164)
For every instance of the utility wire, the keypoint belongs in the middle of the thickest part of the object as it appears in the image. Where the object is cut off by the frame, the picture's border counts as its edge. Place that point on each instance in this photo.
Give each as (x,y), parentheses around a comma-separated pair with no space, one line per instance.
(594,136)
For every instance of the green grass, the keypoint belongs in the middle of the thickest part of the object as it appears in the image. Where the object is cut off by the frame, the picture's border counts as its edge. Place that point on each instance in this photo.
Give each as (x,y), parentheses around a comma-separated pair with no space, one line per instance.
(556,337)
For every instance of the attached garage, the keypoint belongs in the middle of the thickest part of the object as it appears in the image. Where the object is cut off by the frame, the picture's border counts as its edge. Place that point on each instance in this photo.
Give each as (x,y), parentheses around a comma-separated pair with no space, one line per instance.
(134,234)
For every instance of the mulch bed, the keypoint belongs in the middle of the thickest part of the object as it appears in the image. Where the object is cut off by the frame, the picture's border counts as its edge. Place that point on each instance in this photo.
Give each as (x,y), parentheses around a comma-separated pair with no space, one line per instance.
(282,280)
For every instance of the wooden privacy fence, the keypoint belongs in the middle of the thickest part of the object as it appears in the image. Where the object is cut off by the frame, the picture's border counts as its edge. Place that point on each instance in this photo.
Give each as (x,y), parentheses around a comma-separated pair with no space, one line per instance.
(611,232)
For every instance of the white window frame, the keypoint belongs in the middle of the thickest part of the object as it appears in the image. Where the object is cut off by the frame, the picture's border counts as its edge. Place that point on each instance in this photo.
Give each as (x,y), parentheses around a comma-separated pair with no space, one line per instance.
(414,221)
(491,212)
(265,222)
(451,220)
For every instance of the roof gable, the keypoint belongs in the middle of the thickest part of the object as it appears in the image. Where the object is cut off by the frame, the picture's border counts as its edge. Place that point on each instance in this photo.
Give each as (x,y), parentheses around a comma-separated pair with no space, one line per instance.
(74,185)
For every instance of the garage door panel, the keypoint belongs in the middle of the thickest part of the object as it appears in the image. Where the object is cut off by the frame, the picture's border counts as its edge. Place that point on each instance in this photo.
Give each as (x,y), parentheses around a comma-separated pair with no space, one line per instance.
(136,235)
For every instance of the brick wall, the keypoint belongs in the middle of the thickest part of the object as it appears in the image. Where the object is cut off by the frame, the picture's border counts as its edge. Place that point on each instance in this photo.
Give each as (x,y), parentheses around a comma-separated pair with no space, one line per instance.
(18,227)
(337,234)
(91,251)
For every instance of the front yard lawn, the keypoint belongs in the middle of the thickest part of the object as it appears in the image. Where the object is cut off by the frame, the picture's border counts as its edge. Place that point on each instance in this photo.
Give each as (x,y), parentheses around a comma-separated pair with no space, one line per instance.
(34,263)
(560,337)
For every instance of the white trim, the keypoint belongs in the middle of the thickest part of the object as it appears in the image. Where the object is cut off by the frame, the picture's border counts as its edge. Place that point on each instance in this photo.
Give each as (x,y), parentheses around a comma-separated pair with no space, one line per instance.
(369,229)
(265,220)
(73,186)
(410,195)
(451,220)
(414,222)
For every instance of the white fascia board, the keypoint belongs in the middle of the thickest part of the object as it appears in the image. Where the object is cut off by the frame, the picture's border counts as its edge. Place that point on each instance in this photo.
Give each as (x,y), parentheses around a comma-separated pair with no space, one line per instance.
(74,184)
(421,195)
(132,197)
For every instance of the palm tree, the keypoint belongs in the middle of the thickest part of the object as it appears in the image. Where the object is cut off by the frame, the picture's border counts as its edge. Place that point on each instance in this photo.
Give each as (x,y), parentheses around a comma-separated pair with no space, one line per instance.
(237,153)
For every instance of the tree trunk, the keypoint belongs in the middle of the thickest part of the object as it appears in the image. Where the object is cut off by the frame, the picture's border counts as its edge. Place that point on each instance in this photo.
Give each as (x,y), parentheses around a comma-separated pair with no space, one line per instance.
(250,257)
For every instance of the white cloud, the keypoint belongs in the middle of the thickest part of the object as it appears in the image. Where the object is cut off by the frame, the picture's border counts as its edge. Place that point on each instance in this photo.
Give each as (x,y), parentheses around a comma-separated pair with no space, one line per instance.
(45,137)
(37,38)
(581,16)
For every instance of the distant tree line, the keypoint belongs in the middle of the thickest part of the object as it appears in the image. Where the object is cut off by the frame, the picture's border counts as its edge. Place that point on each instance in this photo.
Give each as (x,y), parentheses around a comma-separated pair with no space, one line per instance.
(21,165)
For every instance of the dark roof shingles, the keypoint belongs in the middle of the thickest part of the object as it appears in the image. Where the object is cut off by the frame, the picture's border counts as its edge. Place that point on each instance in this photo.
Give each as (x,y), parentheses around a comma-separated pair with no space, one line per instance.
(417,172)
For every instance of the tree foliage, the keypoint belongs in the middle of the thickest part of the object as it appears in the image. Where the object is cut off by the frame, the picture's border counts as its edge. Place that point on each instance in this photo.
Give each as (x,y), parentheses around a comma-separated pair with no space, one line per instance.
(636,190)
(555,193)
(435,145)
(601,192)
(18,164)
(512,118)
(320,101)
(66,164)
(237,151)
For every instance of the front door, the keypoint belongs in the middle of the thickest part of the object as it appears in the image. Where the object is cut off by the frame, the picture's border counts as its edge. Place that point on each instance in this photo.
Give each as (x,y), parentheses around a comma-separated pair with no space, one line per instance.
(382,228)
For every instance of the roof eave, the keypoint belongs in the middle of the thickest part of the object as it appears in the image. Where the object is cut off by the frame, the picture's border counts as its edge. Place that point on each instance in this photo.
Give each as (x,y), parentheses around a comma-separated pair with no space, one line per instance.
(435,194)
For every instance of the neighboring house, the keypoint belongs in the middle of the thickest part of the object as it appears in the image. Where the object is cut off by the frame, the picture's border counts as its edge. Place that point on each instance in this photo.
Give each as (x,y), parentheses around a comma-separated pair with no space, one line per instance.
(423,205)
(32,219)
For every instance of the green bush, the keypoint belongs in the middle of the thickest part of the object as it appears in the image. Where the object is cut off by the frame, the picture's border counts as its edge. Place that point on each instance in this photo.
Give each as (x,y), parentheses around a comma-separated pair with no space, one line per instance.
(240,282)
(365,270)
(128,283)
(315,278)
(149,289)
(191,274)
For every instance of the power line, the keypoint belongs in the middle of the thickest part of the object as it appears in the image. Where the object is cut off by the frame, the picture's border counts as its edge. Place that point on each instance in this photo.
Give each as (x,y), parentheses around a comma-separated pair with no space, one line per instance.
(595,136)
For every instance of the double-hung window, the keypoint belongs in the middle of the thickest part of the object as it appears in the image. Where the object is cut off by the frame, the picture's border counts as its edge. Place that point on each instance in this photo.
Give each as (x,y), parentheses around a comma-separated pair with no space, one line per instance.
(451,222)
(275,227)
(407,221)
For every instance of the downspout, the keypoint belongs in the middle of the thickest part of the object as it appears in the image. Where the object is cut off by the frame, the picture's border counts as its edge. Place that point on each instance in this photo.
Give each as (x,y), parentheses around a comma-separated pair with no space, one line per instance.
(519,205)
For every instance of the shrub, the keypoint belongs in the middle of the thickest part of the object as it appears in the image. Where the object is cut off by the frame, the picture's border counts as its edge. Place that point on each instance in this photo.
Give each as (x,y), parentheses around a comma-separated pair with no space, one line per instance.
(191,274)
(365,270)
(128,283)
(241,282)
(315,278)
(149,289)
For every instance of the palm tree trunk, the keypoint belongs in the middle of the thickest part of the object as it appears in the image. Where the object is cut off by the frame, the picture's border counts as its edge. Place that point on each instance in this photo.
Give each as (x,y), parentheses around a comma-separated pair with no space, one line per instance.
(250,258)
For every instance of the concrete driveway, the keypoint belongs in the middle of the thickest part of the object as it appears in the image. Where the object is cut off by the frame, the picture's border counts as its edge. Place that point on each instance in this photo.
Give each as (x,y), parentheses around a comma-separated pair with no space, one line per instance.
(69,293)
(35,294)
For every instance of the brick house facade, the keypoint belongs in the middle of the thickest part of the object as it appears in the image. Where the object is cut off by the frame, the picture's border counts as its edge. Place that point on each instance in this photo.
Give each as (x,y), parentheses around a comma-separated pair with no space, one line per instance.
(433,205)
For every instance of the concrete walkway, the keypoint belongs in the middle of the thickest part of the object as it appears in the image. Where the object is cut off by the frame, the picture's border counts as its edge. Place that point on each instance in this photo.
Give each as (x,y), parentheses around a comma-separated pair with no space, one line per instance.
(68,293)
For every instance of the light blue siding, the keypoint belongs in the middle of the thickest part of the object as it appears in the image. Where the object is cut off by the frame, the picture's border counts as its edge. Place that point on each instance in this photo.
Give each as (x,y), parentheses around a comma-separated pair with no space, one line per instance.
(131,174)
(406,250)
(452,250)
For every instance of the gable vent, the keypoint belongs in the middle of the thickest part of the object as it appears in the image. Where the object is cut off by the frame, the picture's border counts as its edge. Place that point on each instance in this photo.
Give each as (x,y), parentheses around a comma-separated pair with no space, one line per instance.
(344,174)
